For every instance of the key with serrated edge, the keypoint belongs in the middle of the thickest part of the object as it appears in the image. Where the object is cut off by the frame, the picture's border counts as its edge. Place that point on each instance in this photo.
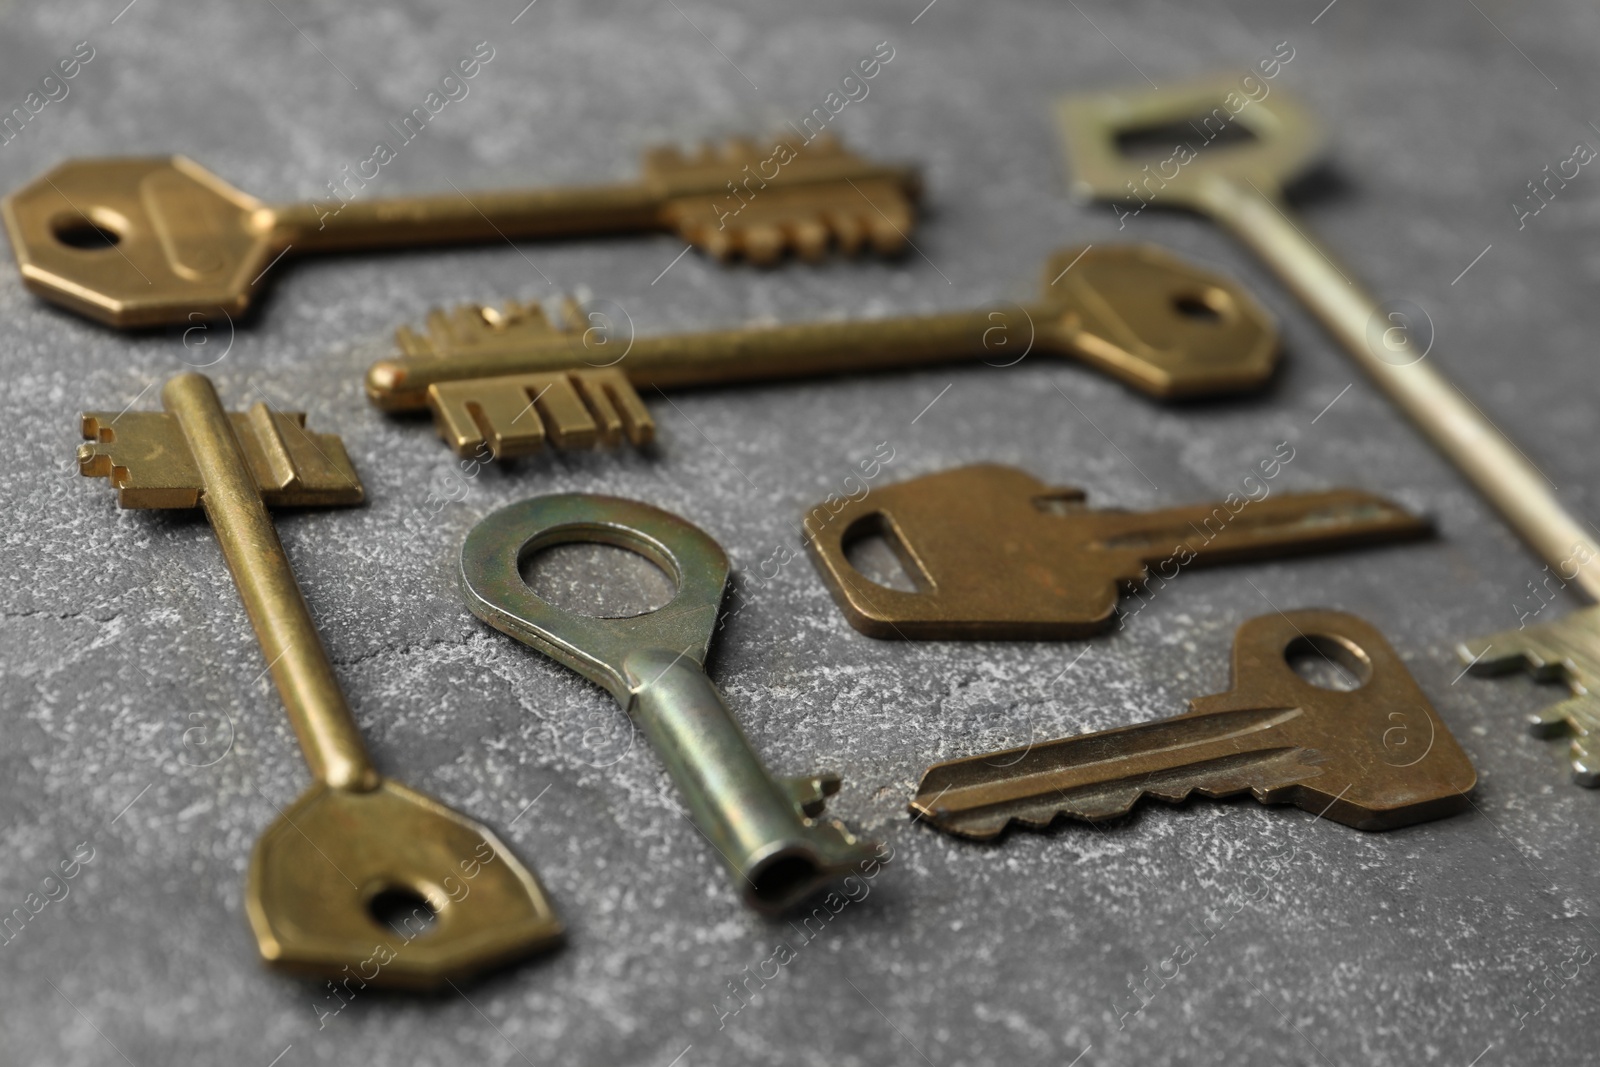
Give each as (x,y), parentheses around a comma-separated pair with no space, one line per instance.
(355,836)
(137,242)
(1376,757)
(998,554)
(1155,323)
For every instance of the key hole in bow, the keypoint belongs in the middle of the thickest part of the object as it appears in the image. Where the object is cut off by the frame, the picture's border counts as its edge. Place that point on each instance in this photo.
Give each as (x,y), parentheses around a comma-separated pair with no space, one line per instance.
(602,581)
(1208,306)
(1328,662)
(1197,132)
(403,910)
(95,232)
(875,549)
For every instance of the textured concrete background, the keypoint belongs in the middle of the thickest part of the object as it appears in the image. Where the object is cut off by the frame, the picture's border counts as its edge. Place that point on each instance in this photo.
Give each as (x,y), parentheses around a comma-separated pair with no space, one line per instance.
(121,632)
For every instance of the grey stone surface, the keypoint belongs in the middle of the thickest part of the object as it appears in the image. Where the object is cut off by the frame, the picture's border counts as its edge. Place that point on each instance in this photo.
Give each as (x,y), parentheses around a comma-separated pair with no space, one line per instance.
(121,631)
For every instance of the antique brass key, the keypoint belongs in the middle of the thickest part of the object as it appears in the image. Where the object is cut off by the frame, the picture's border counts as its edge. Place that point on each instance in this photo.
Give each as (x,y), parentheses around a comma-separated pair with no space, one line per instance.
(354,837)
(998,554)
(767,830)
(1375,757)
(1241,186)
(161,240)
(512,380)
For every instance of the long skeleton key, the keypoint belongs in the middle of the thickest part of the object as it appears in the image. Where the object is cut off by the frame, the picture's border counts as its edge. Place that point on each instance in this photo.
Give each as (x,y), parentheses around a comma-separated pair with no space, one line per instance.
(355,836)
(1375,758)
(162,241)
(767,830)
(997,554)
(1242,187)
(1140,315)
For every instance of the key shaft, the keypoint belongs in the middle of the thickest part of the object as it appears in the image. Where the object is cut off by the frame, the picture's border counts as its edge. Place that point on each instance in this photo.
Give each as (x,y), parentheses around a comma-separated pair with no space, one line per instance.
(719,357)
(295,656)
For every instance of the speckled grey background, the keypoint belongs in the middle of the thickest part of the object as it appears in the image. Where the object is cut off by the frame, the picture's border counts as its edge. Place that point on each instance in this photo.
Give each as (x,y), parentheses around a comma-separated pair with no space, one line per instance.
(121,633)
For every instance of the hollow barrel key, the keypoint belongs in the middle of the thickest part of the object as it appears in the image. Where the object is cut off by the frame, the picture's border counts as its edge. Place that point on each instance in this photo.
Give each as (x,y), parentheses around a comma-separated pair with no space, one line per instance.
(511,380)
(162,241)
(997,554)
(1376,757)
(1241,185)
(354,836)
(767,830)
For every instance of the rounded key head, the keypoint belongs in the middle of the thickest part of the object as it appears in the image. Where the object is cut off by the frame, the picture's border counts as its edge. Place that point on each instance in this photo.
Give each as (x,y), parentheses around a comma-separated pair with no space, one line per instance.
(1159,324)
(491,578)
(139,242)
(389,887)
(1216,131)
(1384,758)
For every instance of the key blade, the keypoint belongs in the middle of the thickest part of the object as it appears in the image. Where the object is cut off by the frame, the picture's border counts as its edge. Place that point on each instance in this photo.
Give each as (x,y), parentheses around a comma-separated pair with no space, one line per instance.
(139,242)
(514,415)
(1158,323)
(316,872)
(1103,775)
(851,216)
(146,458)
(1281,139)
(763,200)
(1566,650)
(1262,529)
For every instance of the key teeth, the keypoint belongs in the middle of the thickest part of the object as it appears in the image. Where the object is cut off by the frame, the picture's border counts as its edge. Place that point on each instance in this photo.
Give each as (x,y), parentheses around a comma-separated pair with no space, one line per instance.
(568,409)
(1269,776)
(1567,651)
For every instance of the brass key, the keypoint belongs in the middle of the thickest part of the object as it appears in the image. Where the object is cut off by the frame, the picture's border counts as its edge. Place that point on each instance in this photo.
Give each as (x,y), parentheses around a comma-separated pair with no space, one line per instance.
(997,554)
(511,379)
(767,831)
(1376,757)
(354,838)
(1242,187)
(162,241)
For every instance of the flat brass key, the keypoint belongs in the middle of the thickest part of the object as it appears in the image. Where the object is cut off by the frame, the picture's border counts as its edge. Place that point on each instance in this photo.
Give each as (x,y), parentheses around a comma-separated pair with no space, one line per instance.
(162,241)
(355,841)
(1376,757)
(512,380)
(767,831)
(1241,185)
(997,554)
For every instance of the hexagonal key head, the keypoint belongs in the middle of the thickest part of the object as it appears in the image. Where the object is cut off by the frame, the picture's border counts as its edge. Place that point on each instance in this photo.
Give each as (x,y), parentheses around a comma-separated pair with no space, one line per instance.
(139,242)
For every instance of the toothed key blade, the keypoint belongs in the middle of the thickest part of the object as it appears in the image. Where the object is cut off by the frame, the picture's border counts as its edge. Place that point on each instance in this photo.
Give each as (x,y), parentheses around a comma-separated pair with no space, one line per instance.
(1566,650)
(147,459)
(513,415)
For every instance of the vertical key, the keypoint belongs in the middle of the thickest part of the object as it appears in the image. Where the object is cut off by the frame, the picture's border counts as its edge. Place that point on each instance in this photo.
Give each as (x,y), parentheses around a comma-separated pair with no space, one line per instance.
(1242,186)
(1376,757)
(162,241)
(767,831)
(354,837)
(1153,322)
(997,554)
